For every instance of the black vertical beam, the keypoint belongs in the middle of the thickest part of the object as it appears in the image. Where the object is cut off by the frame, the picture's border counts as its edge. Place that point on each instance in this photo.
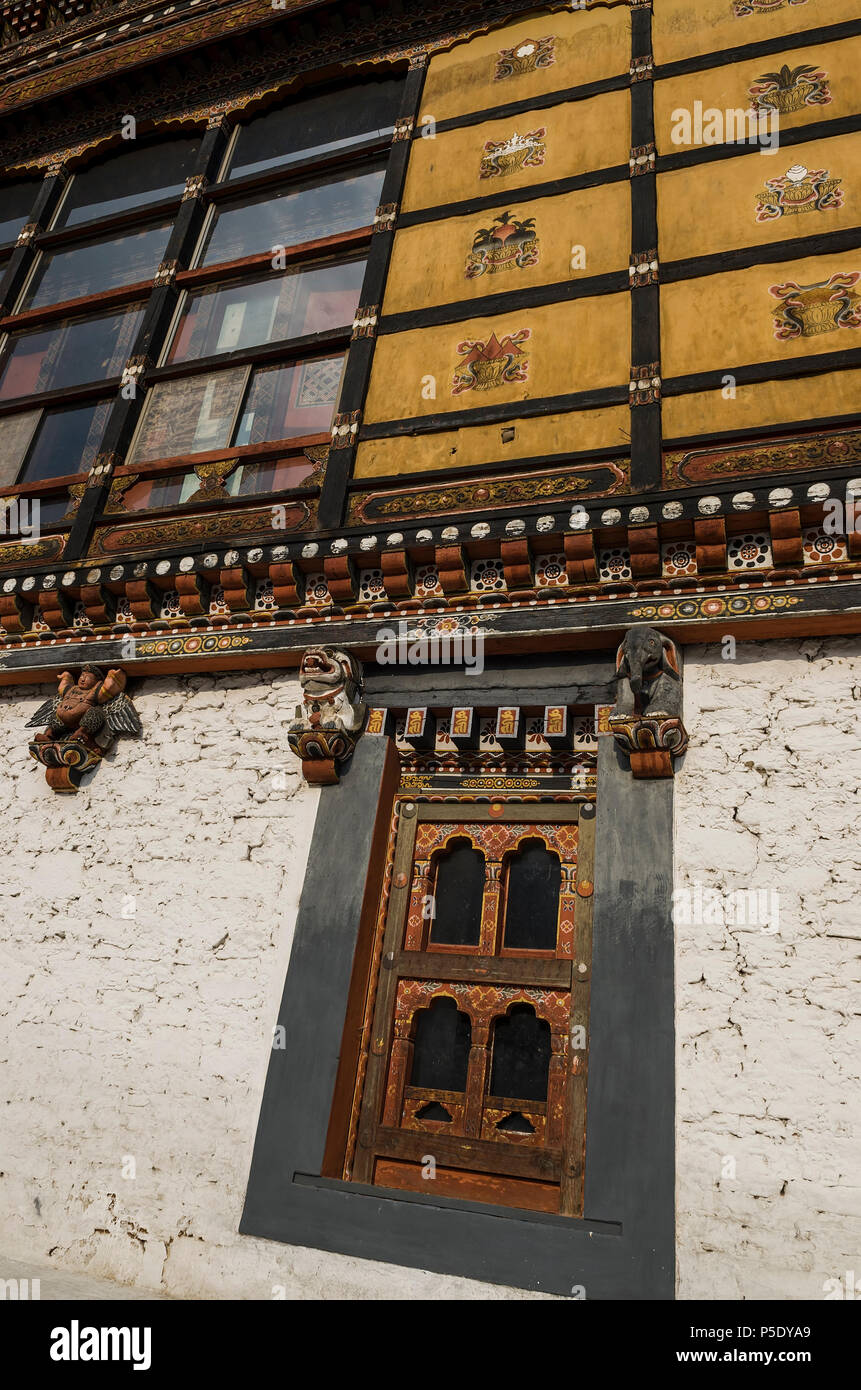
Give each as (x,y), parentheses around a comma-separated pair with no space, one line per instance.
(645,297)
(125,410)
(357,374)
(20,262)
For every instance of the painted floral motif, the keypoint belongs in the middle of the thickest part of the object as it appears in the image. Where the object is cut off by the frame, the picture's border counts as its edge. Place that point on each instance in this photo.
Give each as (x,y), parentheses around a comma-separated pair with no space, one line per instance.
(507,244)
(488,365)
(790,89)
(614,564)
(218,606)
(170,607)
(527,56)
(741,8)
(511,155)
(487,577)
(550,572)
(678,559)
(264,596)
(317,591)
(749,552)
(427,581)
(808,310)
(822,548)
(371,585)
(798,190)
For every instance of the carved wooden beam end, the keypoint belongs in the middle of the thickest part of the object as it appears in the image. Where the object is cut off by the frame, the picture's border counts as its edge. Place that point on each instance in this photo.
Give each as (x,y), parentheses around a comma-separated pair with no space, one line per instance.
(646,721)
(329,721)
(80,723)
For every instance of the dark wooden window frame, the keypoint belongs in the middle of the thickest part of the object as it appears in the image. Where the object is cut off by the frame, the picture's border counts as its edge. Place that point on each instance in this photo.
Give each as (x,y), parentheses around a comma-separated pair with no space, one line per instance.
(623,1247)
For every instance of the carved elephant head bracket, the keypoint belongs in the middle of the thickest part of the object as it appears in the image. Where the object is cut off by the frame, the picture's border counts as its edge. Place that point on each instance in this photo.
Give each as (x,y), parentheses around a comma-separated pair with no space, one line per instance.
(81,723)
(330,719)
(646,720)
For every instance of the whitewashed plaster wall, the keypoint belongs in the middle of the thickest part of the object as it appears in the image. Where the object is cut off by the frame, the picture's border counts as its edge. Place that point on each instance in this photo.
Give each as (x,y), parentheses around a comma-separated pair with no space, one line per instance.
(768,1035)
(145,929)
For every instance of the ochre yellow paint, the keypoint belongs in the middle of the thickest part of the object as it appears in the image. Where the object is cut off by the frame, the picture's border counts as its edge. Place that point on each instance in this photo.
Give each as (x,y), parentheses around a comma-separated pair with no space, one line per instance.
(762,403)
(577,346)
(465,448)
(722,321)
(579,136)
(686,28)
(728,88)
(578,235)
(713,207)
(588,45)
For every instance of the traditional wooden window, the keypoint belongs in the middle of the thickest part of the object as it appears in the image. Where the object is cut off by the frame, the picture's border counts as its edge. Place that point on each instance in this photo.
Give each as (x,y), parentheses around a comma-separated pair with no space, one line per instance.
(470,1078)
(16,200)
(71,352)
(136,176)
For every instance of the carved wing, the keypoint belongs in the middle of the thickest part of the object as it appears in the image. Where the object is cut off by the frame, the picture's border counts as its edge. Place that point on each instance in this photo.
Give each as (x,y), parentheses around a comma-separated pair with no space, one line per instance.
(121,716)
(43,713)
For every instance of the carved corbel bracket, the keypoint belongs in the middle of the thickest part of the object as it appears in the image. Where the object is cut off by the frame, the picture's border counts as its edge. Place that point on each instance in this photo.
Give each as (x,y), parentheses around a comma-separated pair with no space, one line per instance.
(646,721)
(329,721)
(81,723)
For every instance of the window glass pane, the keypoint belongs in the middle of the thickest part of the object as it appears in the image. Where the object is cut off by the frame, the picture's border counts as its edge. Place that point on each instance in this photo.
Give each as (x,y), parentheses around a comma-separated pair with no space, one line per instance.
(97,266)
(332,121)
(443,1037)
(188,416)
(521,1055)
(285,402)
(67,441)
(532,899)
(288,304)
(129,179)
(16,431)
(287,219)
(16,204)
(458,897)
(34,514)
(69,353)
(160,492)
(252,478)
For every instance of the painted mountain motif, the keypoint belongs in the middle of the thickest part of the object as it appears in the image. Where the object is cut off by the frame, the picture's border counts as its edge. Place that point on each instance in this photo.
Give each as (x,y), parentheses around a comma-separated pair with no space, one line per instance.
(485,366)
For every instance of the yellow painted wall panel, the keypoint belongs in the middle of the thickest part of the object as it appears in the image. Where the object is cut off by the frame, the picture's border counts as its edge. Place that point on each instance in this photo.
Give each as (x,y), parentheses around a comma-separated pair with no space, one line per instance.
(721,321)
(578,346)
(685,28)
(587,45)
(805,101)
(434,262)
(464,448)
(718,206)
(578,136)
(763,403)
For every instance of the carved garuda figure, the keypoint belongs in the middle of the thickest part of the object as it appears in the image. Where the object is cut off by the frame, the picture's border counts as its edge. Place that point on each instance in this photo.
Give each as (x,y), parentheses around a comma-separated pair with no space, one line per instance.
(85,705)
(646,719)
(330,718)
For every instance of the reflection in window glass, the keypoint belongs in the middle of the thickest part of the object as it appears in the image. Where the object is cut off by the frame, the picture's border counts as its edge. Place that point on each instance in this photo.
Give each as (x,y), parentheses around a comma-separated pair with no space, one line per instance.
(285,402)
(16,204)
(97,266)
(50,511)
(251,478)
(130,179)
(317,126)
(189,416)
(67,441)
(16,431)
(160,492)
(323,209)
(68,353)
(289,304)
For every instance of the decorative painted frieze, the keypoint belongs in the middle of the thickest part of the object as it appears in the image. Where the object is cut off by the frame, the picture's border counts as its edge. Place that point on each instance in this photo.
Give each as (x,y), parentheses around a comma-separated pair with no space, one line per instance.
(330,719)
(81,722)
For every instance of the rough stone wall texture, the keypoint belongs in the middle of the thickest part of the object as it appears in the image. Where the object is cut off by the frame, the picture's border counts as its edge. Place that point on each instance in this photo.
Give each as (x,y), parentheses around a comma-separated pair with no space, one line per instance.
(768,1037)
(145,929)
